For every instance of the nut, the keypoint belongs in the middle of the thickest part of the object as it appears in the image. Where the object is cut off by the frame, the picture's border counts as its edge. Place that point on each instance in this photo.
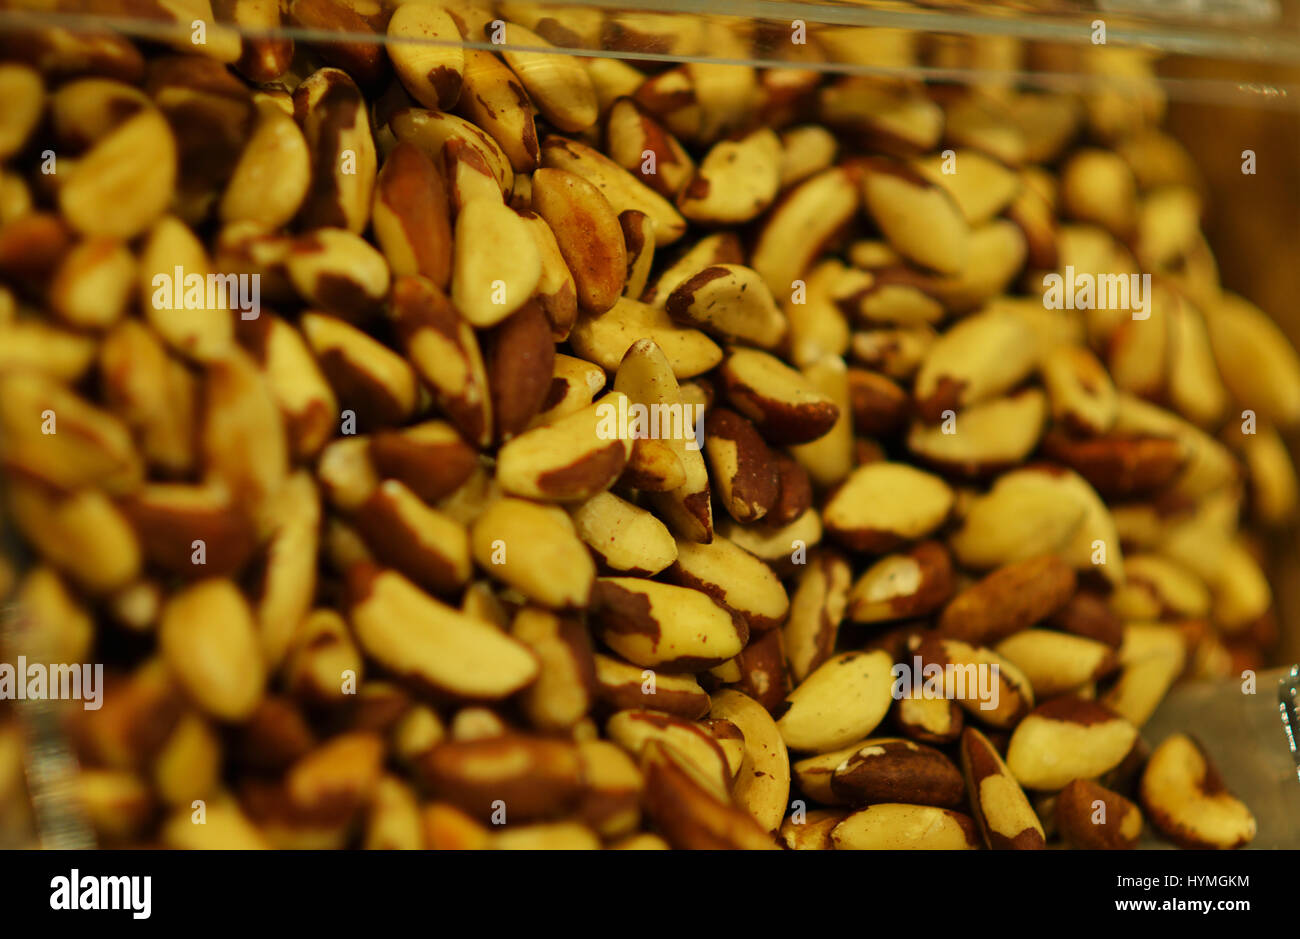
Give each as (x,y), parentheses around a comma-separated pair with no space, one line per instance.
(1005,817)
(1065,739)
(1094,818)
(664,626)
(843,699)
(892,826)
(1185,798)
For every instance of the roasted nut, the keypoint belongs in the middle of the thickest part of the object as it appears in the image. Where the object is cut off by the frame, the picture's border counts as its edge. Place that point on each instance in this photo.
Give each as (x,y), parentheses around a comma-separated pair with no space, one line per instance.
(883,505)
(1004,815)
(1091,817)
(411,216)
(735,579)
(588,232)
(1065,739)
(1010,599)
(843,699)
(783,404)
(424,46)
(902,586)
(663,626)
(890,770)
(689,814)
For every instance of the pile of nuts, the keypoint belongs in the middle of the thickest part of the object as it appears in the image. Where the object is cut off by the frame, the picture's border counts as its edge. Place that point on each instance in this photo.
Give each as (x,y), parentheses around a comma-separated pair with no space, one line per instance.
(370,563)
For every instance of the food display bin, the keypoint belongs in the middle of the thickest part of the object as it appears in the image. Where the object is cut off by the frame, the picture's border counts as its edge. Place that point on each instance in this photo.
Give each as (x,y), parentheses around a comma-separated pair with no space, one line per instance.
(745,424)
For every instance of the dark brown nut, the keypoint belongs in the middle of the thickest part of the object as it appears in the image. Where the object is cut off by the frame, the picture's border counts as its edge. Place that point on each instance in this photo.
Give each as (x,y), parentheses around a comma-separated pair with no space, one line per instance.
(690,814)
(571,460)
(85,446)
(32,247)
(612,784)
(885,116)
(92,286)
(445,353)
(1093,818)
(171,517)
(338,272)
(988,438)
(320,659)
(431,459)
(983,356)
(921,220)
(782,403)
(735,580)
(639,242)
(566,684)
(998,804)
(310,409)
(332,113)
(431,644)
(424,46)
(764,675)
(607,338)
(929,720)
(277,151)
(1186,800)
(635,137)
(735,182)
(999,707)
(898,826)
(588,232)
(813,773)
(1010,599)
(1089,614)
(516,777)
(884,505)
(1056,662)
(619,187)
(274,737)
(816,609)
(520,358)
(843,699)
(664,626)
(1120,466)
(1065,739)
(536,550)
(625,538)
(411,216)
(201,335)
(910,584)
(730,302)
(424,544)
(497,265)
(495,100)
(694,742)
(556,290)
(558,84)
(209,641)
(362,57)
(794,491)
(622,686)
(742,465)
(367,376)
(879,405)
(894,770)
(801,225)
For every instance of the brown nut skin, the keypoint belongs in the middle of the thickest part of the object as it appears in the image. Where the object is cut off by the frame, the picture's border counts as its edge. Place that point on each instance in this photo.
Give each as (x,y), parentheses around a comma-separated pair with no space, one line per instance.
(520,360)
(1077,811)
(1088,614)
(588,232)
(431,459)
(794,489)
(1005,818)
(411,215)
(898,770)
(1119,466)
(880,406)
(688,814)
(764,675)
(742,465)
(780,401)
(1186,800)
(1010,599)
